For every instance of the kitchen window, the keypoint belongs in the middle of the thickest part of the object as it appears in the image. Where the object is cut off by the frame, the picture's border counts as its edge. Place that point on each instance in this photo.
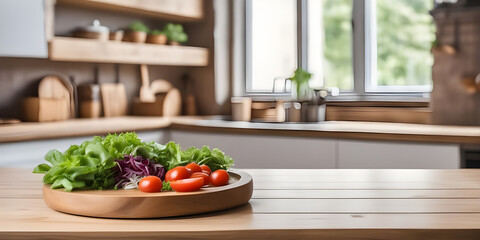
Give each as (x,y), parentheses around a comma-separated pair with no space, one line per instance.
(364,48)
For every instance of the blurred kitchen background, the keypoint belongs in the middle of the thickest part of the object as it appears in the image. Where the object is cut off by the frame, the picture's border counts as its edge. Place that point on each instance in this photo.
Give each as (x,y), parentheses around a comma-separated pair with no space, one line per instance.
(273,83)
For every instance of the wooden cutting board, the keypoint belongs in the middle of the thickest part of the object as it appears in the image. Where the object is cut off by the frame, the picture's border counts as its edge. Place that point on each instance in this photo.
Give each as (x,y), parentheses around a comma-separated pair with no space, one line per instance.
(137,204)
(56,88)
(114,99)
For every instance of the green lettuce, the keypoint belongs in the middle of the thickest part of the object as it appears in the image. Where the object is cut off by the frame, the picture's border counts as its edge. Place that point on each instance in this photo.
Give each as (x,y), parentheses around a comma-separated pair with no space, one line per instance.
(215,159)
(86,166)
(91,165)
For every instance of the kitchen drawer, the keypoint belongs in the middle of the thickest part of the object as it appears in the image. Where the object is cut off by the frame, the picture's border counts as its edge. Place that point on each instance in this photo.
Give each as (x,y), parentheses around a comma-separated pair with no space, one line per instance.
(252,151)
(370,154)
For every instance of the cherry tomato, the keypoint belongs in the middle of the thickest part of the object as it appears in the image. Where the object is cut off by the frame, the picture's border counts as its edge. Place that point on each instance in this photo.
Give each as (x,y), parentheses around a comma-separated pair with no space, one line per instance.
(177,173)
(219,178)
(194,167)
(187,185)
(150,184)
(206,177)
(206,168)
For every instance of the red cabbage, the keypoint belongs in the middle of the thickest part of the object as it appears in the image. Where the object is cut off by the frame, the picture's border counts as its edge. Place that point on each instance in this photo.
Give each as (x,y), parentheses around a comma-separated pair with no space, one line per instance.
(130,170)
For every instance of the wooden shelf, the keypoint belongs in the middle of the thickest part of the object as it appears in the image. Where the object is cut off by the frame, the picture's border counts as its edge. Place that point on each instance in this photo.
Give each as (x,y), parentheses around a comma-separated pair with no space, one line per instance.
(175,10)
(87,50)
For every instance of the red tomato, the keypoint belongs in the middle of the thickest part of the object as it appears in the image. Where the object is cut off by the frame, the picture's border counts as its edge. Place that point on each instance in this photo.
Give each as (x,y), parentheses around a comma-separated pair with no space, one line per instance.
(187,185)
(194,167)
(177,173)
(206,177)
(219,178)
(150,184)
(206,168)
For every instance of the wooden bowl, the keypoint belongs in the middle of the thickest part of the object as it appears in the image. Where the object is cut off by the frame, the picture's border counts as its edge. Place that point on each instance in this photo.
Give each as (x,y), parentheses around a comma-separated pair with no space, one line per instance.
(91,35)
(134,36)
(136,204)
(116,36)
(157,39)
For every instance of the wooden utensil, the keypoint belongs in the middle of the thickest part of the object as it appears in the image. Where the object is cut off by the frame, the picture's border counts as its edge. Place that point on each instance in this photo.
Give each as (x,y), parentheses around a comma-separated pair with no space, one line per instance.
(136,204)
(146,95)
(190,105)
(89,101)
(166,104)
(114,97)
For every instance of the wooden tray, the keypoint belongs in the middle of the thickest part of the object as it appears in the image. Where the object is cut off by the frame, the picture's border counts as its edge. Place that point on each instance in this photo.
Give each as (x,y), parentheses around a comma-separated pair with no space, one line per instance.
(137,204)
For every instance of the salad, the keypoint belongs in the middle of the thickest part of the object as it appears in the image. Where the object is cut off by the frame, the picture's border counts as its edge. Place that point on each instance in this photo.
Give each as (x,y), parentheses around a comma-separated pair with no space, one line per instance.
(124,161)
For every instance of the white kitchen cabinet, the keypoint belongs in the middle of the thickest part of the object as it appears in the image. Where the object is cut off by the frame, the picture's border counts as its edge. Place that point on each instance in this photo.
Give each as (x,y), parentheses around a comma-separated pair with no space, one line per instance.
(252,151)
(22,29)
(398,155)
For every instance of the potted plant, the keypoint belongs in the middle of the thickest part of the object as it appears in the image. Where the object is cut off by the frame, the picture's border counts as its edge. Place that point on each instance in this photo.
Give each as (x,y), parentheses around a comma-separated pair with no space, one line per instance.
(175,34)
(136,32)
(157,37)
(300,81)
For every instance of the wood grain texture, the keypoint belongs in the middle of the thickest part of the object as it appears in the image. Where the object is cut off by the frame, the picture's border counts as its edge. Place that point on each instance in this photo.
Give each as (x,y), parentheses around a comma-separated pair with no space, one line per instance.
(86,50)
(114,99)
(306,214)
(379,114)
(136,204)
(79,127)
(177,10)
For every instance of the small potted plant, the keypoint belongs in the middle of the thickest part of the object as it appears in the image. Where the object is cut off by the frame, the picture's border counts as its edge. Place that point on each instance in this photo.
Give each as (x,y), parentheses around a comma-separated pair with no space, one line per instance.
(300,80)
(157,37)
(175,34)
(136,32)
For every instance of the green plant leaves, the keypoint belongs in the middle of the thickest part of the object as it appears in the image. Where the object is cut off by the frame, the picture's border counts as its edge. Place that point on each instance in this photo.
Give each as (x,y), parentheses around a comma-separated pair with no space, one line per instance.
(138,26)
(175,33)
(301,78)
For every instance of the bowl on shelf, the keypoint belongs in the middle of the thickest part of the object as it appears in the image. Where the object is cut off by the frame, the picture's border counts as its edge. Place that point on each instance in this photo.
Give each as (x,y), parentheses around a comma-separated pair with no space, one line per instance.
(116,35)
(157,39)
(134,36)
(94,31)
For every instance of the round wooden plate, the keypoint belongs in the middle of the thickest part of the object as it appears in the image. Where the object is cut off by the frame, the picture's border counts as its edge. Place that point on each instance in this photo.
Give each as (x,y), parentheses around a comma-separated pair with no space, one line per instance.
(137,204)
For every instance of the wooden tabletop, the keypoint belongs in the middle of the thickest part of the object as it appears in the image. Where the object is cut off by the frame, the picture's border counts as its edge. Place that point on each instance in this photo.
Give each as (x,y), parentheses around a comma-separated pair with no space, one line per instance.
(286,204)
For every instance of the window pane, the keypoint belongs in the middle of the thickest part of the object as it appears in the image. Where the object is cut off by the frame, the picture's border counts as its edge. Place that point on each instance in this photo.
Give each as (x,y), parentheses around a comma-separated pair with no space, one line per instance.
(271,42)
(404,33)
(330,43)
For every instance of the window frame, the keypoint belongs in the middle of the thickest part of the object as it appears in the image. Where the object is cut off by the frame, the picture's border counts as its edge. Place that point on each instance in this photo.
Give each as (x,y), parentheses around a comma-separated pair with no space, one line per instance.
(364,56)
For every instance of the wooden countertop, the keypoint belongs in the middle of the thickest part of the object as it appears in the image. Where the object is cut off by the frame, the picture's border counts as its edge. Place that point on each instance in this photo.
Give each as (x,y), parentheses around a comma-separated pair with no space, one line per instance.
(333,129)
(337,129)
(79,127)
(286,204)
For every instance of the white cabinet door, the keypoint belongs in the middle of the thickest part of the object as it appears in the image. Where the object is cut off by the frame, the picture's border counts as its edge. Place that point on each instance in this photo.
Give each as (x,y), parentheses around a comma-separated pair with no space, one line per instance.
(251,151)
(22,28)
(380,155)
